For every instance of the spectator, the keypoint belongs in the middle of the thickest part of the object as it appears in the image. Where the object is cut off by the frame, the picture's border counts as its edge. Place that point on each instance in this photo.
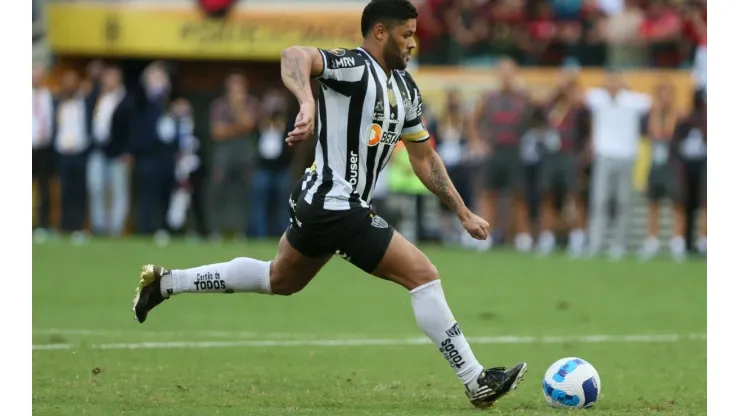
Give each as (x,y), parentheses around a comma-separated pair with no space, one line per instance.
(507,34)
(538,134)
(43,155)
(234,130)
(109,161)
(188,161)
(663,182)
(272,181)
(565,9)
(71,143)
(608,7)
(542,30)
(559,173)
(691,136)
(661,29)
(496,128)
(154,146)
(431,32)
(695,32)
(197,180)
(451,131)
(91,83)
(466,30)
(592,49)
(616,113)
(623,37)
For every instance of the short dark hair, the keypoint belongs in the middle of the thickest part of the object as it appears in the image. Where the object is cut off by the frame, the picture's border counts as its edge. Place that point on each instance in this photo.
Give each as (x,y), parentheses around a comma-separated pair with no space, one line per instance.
(386,12)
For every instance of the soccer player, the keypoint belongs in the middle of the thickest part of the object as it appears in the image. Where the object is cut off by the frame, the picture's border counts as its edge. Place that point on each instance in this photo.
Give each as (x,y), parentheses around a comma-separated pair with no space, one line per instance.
(366,103)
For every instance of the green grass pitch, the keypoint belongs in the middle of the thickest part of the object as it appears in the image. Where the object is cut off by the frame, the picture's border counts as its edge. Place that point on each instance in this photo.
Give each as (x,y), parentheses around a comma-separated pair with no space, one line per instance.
(348,344)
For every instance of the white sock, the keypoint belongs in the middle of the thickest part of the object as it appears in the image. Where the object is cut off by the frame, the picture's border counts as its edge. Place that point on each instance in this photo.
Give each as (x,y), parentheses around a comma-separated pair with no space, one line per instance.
(651,245)
(239,275)
(435,318)
(678,246)
(577,237)
(523,242)
(701,244)
(546,242)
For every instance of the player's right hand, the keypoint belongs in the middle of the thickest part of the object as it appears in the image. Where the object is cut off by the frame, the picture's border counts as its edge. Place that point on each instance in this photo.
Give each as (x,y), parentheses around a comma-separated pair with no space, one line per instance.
(304,123)
(476,226)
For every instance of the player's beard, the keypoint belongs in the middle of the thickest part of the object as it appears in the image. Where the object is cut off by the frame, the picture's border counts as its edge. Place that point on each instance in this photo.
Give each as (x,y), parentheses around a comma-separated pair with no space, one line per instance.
(393,56)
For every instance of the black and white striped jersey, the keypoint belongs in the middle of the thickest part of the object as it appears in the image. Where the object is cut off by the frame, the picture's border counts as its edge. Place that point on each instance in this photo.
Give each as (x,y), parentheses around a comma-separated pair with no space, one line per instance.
(361,115)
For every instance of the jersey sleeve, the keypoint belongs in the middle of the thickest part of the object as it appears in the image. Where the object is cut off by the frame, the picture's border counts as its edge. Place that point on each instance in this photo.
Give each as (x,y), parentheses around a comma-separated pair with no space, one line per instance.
(342,65)
(413,126)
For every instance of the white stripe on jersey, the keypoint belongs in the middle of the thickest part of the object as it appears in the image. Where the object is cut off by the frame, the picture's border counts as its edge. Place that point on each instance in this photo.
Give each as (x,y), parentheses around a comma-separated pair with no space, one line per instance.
(361,115)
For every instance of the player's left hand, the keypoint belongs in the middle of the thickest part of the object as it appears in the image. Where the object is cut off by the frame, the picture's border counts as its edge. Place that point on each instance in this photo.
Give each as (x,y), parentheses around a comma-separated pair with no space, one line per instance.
(476,226)
(304,123)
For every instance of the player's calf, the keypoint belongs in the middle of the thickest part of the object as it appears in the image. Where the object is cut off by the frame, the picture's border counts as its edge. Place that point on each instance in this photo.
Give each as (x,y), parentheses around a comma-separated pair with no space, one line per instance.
(288,273)
(406,265)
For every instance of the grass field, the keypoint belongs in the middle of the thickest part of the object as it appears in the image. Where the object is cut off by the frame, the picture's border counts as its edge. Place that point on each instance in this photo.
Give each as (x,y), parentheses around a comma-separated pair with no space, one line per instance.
(348,344)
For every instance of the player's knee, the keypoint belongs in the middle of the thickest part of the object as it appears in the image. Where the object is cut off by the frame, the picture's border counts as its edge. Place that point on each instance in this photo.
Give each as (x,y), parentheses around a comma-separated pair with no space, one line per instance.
(425,273)
(283,284)
(283,288)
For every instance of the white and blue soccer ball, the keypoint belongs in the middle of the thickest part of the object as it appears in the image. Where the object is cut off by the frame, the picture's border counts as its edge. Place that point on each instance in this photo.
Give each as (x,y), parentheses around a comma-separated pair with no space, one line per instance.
(571,382)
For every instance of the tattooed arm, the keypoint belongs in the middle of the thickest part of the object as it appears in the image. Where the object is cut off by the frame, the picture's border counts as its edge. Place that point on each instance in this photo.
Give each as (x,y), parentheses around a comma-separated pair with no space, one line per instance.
(432,172)
(297,65)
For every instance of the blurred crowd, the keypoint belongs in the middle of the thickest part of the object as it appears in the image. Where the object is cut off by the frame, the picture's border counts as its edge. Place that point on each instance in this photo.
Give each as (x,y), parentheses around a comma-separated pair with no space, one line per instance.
(559,169)
(614,33)
(544,171)
(114,147)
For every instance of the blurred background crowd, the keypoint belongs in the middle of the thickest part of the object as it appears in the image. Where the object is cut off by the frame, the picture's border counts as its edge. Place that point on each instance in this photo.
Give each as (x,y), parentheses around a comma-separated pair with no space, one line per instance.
(614,33)
(129,139)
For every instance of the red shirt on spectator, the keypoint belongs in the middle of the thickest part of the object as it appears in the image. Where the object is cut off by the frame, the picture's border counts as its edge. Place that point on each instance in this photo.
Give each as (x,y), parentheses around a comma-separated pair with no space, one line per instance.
(662,25)
(431,24)
(542,28)
(696,32)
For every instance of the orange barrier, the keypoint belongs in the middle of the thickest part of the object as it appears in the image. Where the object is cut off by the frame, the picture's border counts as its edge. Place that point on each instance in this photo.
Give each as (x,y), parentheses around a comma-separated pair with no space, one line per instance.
(434,82)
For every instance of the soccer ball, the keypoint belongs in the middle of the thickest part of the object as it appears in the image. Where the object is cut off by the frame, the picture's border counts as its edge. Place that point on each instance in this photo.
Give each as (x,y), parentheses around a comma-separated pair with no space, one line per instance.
(571,382)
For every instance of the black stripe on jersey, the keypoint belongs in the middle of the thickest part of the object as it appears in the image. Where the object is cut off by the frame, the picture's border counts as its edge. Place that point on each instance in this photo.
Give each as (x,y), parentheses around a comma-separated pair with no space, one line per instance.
(327,179)
(373,150)
(354,123)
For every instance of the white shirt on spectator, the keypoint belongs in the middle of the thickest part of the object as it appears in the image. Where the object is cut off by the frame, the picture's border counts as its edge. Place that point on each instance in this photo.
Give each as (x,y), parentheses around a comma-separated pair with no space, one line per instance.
(611,7)
(71,128)
(42,109)
(616,121)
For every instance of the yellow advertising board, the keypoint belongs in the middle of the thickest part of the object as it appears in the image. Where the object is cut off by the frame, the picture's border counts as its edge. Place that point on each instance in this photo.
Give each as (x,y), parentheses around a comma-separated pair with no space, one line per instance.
(109,30)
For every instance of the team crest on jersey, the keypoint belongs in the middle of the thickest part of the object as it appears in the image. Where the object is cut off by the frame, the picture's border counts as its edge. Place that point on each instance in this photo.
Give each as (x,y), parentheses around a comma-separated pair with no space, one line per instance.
(338,51)
(392,97)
